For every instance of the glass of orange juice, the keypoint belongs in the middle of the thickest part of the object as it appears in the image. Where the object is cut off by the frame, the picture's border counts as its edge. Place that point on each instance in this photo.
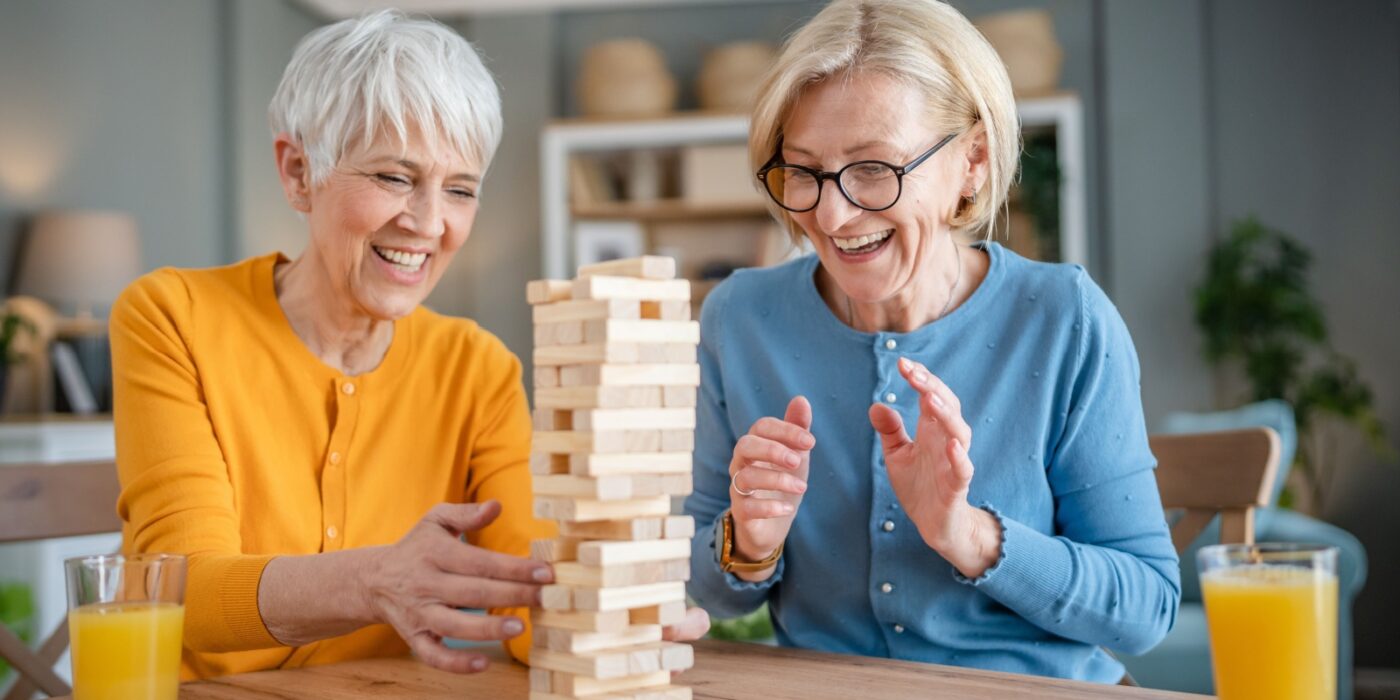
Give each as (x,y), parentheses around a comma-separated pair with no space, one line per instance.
(1272,614)
(126,615)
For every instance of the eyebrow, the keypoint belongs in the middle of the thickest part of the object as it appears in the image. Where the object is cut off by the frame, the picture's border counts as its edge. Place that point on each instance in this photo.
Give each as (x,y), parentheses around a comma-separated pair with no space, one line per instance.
(469,177)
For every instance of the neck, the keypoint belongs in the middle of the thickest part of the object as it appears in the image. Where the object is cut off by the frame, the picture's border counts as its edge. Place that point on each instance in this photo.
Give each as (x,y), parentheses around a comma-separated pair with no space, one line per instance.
(325,317)
(928,296)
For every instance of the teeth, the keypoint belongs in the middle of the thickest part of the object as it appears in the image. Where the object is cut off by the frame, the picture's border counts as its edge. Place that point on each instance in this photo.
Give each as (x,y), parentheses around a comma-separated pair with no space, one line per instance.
(413,261)
(862,241)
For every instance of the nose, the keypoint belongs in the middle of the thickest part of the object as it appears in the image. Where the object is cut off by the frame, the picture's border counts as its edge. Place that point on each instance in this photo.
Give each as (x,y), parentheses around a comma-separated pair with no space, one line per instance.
(422,214)
(833,209)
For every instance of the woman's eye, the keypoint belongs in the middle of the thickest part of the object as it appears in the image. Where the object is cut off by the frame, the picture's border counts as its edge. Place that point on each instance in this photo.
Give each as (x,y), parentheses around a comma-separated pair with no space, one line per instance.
(392,179)
(462,193)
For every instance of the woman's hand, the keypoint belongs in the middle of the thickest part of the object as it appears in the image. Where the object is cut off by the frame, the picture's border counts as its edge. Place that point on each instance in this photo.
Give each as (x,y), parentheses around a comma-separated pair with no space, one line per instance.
(931,474)
(770,463)
(417,584)
(694,626)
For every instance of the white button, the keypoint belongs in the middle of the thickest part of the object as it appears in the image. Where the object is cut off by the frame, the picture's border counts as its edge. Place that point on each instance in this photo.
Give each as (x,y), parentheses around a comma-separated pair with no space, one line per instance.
(331,533)
(348,388)
(890,397)
(887,587)
(890,344)
(888,525)
(899,629)
(335,458)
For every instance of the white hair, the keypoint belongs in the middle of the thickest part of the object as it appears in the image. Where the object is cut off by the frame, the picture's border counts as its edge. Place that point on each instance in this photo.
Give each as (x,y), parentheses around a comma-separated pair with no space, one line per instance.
(379,76)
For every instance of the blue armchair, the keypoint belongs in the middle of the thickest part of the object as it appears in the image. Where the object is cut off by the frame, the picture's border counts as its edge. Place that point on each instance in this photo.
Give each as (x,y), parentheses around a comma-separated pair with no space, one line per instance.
(1182,661)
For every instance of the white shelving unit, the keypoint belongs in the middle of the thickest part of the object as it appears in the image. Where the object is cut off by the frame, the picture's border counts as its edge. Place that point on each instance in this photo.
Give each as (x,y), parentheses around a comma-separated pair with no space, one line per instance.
(1062,113)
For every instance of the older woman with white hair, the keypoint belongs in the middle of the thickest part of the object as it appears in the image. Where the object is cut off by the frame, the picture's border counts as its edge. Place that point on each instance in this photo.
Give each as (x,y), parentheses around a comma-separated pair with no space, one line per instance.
(1019,527)
(313,439)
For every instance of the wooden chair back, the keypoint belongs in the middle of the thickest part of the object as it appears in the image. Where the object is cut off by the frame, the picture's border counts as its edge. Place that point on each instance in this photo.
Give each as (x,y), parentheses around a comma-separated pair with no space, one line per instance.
(1229,472)
(40,501)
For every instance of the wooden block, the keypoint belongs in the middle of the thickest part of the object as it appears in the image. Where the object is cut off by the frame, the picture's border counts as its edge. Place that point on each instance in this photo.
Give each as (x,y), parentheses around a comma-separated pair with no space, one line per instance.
(653,267)
(627,597)
(600,397)
(630,375)
(664,614)
(552,419)
(546,377)
(676,396)
(557,549)
(666,310)
(667,353)
(677,441)
(556,597)
(676,657)
(542,463)
(589,354)
(605,287)
(575,642)
(610,622)
(539,677)
(616,663)
(548,291)
(602,441)
(617,330)
(660,692)
(678,527)
(569,684)
(634,419)
(586,310)
(575,574)
(602,488)
(585,510)
(595,553)
(589,464)
(566,333)
(634,530)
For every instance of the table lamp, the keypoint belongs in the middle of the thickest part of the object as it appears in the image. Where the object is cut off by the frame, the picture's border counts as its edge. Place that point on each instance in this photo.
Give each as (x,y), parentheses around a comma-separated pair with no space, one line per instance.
(80,260)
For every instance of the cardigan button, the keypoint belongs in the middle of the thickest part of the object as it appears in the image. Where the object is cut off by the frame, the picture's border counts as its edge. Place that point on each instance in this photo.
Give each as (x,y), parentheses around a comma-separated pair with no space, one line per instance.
(887,587)
(890,344)
(349,389)
(899,629)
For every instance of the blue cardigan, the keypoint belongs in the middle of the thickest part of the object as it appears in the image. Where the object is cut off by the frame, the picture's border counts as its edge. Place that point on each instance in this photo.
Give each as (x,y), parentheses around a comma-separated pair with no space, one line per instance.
(1048,380)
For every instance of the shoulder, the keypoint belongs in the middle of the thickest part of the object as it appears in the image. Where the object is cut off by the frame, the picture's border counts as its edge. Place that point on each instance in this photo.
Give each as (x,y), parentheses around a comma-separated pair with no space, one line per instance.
(176,293)
(456,340)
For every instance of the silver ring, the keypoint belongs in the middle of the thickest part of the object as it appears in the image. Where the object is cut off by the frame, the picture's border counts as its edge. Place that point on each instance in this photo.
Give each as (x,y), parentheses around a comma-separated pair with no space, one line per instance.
(735,485)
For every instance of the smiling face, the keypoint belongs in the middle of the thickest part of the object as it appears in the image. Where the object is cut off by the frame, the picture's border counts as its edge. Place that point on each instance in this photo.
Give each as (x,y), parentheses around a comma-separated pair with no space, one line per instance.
(876,256)
(386,221)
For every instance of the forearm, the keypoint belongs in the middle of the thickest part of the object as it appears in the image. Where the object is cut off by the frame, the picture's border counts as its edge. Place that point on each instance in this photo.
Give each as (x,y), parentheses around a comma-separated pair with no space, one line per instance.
(304,599)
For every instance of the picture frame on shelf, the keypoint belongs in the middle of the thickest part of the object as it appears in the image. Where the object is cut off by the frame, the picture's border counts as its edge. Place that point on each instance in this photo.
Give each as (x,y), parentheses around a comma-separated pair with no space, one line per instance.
(600,241)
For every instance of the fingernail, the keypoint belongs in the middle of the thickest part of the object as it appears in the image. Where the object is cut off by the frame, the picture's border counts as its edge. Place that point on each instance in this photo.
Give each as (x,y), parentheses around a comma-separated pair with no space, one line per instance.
(920,377)
(787,508)
(793,460)
(802,487)
(513,627)
(542,575)
(904,363)
(807,441)
(937,400)
(957,445)
(478,664)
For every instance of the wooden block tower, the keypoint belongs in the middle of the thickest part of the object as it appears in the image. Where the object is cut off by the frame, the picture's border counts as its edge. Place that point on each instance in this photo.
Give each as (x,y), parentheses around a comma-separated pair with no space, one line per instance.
(615,390)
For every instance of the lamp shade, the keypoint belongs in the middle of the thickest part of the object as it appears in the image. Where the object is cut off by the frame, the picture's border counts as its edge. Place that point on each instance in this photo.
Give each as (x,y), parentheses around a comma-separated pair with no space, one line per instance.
(78,260)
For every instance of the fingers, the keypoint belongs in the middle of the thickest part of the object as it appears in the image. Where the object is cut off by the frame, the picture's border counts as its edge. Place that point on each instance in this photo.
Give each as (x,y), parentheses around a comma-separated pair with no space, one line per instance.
(799,413)
(447,622)
(430,651)
(961,473)
(746,509)
(752,448)
(754,478)
(694,626)
(889,426)
(459,518)
(468,560)
(937,403)
(471,592)
(793,436)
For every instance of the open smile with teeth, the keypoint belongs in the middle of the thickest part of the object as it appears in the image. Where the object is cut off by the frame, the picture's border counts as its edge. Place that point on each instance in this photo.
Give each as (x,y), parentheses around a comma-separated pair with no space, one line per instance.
(408,262)
(863,244)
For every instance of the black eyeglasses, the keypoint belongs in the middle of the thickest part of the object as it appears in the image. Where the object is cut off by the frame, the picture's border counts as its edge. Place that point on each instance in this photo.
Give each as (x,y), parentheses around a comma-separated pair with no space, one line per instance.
(872,185)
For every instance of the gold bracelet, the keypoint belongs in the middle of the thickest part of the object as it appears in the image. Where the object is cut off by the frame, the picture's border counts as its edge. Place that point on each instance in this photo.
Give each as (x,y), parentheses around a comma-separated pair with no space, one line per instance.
(729,564)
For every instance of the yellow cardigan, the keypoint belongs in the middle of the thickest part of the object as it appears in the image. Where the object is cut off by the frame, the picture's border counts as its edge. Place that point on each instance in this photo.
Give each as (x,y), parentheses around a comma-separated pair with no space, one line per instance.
(236,444)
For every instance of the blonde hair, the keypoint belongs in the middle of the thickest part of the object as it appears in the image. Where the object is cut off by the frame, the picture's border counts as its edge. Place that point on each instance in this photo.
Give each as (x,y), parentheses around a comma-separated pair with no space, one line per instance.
(923,43)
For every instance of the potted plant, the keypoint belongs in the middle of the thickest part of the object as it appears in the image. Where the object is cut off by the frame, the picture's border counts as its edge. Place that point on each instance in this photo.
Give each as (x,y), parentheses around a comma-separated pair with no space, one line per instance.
(1257,313)
(11,324)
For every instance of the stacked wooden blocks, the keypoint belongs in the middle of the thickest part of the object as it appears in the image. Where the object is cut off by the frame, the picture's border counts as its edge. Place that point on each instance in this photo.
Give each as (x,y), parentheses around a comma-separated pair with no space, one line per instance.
(615,390)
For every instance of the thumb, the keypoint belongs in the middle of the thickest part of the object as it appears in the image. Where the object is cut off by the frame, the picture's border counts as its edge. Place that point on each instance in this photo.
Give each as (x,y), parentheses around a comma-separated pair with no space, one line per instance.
(890,426)
(799,413)
(459,518)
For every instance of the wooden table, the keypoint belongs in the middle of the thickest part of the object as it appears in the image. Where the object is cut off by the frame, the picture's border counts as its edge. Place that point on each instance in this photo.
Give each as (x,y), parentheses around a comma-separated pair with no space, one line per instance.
(723,671)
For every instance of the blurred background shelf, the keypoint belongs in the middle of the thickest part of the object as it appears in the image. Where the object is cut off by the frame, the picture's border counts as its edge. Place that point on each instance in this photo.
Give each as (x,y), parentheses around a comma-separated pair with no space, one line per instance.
(668,210)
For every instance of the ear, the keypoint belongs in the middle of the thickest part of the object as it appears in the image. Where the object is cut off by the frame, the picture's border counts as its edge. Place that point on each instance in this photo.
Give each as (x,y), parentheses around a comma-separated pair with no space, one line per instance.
(294,171)
(976,161)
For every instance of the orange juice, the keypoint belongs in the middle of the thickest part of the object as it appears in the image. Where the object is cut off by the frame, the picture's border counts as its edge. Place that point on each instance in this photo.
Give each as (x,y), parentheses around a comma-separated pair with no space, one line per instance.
(1273,632)
(126,651)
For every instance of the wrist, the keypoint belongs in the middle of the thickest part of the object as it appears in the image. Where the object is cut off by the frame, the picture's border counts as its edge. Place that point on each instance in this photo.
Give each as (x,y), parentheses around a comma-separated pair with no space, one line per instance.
(365,581)
(974,544)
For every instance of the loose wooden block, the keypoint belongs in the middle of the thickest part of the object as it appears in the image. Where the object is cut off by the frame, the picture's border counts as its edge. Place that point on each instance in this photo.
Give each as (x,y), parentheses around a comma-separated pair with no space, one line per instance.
(589,354)
(575,642)
(546,377)
(566,333)
(678,527)
(634,530)
(586,510)
(666,310)
(677,441)
(589,464)
(634,419)
(542,463)
(602,441)
(677,396)
(667,353)
(627,597)
(556,597)
(548,291)
(664,614)
(630,375)
(594,553)
(599,397)
(655,267)
(610,622)
(578,686)
(604,287)
(616,330)
(571,573)
(557,549)
(586,310)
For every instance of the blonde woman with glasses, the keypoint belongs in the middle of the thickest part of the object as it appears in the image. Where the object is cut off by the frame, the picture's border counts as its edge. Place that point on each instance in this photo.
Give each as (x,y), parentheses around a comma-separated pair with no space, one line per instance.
(910,444)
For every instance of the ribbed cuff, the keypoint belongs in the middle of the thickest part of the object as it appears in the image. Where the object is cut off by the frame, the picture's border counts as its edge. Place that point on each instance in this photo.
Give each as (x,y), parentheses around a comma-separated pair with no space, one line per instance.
(237,603)
(1033,569)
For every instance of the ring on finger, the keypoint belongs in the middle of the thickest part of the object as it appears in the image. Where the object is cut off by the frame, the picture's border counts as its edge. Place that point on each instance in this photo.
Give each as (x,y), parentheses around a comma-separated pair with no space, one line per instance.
(733,484)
